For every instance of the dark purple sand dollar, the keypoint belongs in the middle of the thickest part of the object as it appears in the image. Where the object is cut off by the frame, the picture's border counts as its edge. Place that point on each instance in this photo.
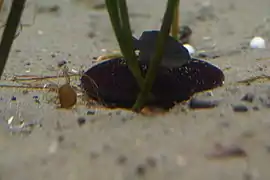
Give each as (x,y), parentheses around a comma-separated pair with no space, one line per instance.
(111,83)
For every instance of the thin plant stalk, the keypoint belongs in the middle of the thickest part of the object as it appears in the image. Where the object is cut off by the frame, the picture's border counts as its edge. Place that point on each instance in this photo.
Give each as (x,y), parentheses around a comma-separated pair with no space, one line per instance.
(9,33)
(117,10)
(175,24)
(156,60)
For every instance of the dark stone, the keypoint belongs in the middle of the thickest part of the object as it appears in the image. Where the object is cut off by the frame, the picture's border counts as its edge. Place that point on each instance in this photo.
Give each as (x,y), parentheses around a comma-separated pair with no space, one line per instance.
(13,98)
(60,138)
(61,63)
(239,108)
(27,64)
(91,112)
(81,121)
(141,170)
(249,97)
(185,32)
(200,104)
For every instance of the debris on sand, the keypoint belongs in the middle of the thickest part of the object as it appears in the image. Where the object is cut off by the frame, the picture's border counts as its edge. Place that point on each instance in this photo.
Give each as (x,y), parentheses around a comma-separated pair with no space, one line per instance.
(221,151)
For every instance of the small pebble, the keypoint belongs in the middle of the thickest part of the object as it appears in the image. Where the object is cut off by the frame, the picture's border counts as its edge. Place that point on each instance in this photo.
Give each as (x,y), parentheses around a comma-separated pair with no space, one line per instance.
(257,43)
(107,147)
(60,138)
(185,33)
(141,170)
(267,148)
(152,162)
(249,97)
(40,32)
(118,113)
(200,104)
(91,112)
(121,159)
(222,151)
(25,92)
(81,121)
(240,108)
(61,63)
(13,98)
(256,108)
(94,155)
(53,55)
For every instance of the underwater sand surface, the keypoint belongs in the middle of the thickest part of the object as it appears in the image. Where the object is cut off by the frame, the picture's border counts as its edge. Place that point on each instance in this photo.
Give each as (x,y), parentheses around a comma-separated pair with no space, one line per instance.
(120,145)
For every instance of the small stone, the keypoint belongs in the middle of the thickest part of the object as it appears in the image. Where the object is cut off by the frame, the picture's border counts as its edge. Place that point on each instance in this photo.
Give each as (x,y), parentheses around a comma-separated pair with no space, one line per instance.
(118,113)
(121,159)
(124,119)
(152,162)
(81,121)
(61,63)
(249,97)
(240,108)
(27,64)
(107,147)
(141,170)
(94,155)
(60,138)
(91,112)
(185,33)
(256,108)
(25,92)
(199,104)
(13,98)
(53,55)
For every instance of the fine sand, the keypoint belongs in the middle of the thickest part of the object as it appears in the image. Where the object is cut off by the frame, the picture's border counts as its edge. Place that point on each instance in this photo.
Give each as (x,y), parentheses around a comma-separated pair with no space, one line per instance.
(120,145)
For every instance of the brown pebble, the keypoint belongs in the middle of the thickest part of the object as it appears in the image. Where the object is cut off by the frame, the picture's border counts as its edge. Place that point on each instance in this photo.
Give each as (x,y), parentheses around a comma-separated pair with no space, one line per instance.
(67,96)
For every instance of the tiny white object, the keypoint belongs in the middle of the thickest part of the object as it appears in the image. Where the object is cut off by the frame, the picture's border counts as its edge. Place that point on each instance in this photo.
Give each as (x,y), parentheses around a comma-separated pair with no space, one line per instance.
(10,120)
(257,43)
(190,49)
(40,32)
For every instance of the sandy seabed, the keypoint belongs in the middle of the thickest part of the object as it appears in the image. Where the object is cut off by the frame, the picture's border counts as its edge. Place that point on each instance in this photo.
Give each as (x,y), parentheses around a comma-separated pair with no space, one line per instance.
(119,145)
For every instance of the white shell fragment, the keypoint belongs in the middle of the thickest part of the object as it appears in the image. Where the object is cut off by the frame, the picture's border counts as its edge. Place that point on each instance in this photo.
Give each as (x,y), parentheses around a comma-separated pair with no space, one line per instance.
(257,43)
(190,48)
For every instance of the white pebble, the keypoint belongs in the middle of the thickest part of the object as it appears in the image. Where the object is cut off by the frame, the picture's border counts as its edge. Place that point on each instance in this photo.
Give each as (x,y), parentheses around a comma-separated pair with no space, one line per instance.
(40,32)
(190,49)
(257,43)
